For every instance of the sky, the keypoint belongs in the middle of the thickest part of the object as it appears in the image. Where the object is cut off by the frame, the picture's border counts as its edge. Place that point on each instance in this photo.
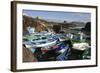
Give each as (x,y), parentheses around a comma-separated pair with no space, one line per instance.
(59,16)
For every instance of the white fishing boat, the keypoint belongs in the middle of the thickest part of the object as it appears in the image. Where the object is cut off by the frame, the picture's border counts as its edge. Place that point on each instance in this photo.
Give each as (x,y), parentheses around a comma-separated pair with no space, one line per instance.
(40,43)
(39,40)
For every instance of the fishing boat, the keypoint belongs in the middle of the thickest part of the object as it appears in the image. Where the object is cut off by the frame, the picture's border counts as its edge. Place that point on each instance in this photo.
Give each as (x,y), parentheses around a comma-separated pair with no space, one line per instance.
(39,40)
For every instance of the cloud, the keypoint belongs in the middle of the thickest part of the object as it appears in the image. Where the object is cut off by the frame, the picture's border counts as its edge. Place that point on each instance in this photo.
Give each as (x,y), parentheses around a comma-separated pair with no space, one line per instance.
(25,14)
